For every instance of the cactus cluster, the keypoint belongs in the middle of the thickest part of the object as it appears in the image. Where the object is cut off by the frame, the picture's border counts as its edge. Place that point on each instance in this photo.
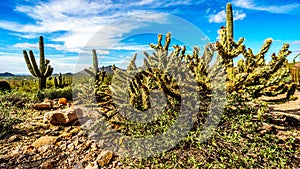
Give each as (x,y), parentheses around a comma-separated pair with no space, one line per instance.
(161,83)
(168,82)
(295,70)
(45,70)
(59,82)
(252,77)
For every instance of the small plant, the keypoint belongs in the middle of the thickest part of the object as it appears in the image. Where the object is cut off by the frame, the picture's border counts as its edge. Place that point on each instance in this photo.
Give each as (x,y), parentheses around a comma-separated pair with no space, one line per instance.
(44,70)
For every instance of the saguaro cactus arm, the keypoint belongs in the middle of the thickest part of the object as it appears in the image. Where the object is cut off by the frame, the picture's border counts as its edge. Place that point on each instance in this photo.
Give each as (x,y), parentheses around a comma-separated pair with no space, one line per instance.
(31,63)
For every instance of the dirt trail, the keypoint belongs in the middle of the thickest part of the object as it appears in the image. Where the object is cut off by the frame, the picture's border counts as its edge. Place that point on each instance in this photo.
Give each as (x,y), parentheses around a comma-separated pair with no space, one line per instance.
(290,107)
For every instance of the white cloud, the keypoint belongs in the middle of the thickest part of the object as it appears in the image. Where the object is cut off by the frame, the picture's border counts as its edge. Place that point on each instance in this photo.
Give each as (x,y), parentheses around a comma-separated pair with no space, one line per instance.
(70,25)
(26,45)
(81,20)
(296,42)
(221,16)
(250,4)
(218,18)
(131,47)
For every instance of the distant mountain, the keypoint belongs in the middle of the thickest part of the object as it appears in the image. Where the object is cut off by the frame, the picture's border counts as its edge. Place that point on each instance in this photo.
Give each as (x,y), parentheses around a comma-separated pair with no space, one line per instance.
(6,74)
(107,69)
(64,74)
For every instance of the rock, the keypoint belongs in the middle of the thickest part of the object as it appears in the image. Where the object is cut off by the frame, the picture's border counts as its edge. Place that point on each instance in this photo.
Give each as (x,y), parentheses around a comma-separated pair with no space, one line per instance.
(65,136)
(92,165)
(29,150)
(63,117)
(46,165)
(46,105)
(104,158)
(44,148)
(13,138)
(42,106)
(82,133)
(62,101)
(44,141)
(75,131)
(70,147)
(94,147)
(76,142)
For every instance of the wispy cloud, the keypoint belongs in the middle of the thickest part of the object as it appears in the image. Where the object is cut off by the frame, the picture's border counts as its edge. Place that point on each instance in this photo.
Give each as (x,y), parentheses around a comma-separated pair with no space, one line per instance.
(297,42)
(250,4)
(80,20)
(221,16)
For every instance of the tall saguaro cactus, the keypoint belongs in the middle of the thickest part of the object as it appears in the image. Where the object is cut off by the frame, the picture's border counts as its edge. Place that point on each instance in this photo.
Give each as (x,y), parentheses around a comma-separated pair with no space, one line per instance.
(98,75)
(45,70)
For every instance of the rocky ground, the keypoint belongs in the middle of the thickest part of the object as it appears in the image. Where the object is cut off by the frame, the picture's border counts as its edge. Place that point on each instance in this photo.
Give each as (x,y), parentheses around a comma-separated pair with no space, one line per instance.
(36,143)
(41,142)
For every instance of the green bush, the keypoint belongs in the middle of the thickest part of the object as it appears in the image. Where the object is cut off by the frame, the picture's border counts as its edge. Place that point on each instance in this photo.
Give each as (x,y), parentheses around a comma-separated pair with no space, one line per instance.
(54,93)
(11,102)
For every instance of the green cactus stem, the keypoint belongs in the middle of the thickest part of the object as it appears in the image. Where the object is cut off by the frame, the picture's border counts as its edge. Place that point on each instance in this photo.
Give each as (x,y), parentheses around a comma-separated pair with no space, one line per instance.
(44,70)
(229,22)
(101,89)
(59,82)
(95,69)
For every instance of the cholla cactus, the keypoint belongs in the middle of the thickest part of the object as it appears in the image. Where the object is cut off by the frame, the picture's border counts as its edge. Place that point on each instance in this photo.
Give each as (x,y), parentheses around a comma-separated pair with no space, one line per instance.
(252,77)
(168,72)
(295,70)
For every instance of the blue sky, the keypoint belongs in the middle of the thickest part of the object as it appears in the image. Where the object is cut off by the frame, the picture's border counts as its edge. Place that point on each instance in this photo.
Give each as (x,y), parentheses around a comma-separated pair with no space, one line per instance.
(118,29)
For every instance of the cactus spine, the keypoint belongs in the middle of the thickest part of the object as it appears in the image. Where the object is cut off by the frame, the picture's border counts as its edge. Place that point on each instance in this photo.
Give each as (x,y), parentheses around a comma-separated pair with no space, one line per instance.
(44,70)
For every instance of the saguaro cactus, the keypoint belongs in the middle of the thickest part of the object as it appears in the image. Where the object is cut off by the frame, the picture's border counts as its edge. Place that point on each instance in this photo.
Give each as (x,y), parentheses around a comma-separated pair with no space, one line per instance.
(99,75)
(44,70)
(94,71)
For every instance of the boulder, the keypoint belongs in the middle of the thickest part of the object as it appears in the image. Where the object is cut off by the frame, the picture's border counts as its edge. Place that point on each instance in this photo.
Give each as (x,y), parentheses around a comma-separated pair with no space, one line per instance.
(62,101)
(46,105)
(45,140)
(92,165)
(104,158)
(63,117)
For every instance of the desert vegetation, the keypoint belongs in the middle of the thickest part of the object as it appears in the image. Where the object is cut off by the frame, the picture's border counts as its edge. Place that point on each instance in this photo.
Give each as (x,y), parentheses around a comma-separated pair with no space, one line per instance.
(238,106)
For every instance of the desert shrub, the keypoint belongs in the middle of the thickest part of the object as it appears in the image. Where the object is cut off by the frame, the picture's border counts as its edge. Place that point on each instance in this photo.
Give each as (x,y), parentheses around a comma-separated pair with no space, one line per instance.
(15,98)
(4,85)
(49,83)
(7,123)
(54,93)
(13,101)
